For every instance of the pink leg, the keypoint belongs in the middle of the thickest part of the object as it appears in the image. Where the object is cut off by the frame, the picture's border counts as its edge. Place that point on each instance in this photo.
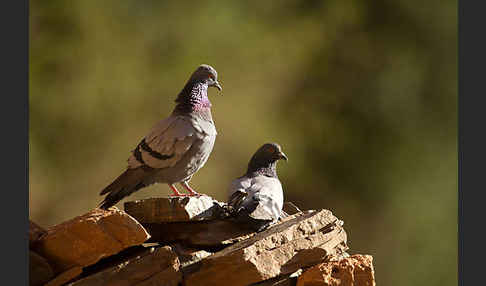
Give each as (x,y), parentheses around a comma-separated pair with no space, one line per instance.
(192,193)
(176,192)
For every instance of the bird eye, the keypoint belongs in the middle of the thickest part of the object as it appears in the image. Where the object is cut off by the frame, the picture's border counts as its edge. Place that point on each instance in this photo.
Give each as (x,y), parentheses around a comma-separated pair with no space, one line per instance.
(270,149)
(211,76)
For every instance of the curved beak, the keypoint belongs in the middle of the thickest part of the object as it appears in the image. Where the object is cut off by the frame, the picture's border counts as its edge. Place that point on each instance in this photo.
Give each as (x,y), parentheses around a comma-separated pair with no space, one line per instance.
(217,85)
(283,156)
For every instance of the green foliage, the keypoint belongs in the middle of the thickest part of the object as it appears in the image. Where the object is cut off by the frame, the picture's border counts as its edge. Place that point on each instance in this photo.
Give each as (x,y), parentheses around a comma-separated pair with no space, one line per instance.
(361,95)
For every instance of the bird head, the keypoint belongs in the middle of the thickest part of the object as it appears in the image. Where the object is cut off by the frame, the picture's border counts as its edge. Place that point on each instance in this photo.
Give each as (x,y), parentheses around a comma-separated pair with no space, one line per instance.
(208,74)
(267,155)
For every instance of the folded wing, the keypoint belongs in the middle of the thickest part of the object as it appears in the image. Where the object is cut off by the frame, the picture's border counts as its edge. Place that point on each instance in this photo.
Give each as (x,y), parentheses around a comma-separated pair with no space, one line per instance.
(259,197)
(165,144)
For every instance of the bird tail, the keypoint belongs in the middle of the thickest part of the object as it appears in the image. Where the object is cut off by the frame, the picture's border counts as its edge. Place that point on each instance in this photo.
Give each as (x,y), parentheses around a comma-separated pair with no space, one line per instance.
(127,183)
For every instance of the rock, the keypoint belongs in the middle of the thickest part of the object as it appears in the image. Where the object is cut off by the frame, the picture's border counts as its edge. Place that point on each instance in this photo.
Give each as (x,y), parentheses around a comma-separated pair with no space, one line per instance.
(39,270)
(35,232)
(356,270)
(208,235)
(155,266)
(304,239)
(86,239)
(65,277)
(282,280)
(188,256)
(198,222)
(157,210)
(289,209)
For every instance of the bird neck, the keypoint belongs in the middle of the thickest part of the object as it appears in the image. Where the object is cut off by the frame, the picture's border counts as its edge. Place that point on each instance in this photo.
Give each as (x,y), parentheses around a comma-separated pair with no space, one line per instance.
(262,169)
(193,98)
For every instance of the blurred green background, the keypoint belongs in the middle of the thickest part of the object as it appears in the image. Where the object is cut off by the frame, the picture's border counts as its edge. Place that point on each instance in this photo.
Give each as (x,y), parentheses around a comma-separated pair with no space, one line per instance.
(362,96)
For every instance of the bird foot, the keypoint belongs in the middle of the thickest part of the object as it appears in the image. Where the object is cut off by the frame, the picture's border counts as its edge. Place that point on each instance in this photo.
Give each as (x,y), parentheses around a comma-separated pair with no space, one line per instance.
(178,195)
(194,194)
(191,191)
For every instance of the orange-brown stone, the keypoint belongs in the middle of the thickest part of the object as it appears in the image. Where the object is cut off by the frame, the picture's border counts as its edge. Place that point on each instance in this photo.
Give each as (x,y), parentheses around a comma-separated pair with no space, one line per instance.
(35,232)
(356,270)
(66,276)
(86,239)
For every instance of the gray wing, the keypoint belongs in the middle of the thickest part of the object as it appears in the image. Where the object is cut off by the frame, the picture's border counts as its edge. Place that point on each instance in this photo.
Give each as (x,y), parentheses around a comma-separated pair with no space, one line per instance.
(261,197)
(165,144)
(237,191)
(236,199)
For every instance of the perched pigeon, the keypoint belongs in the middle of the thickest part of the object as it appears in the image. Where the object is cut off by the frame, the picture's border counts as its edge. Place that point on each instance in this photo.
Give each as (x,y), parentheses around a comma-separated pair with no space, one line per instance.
(257,197)
(176,147)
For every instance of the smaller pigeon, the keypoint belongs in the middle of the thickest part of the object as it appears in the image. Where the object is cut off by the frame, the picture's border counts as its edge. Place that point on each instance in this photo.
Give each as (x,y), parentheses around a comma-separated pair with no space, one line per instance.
(256,199)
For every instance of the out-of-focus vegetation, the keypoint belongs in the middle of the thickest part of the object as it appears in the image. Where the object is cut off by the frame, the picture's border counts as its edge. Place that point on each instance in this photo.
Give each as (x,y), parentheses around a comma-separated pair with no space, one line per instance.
(360,94)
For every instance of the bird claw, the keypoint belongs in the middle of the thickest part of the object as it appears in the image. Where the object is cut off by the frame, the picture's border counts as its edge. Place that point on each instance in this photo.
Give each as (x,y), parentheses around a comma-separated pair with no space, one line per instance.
(178,195)
(192,193)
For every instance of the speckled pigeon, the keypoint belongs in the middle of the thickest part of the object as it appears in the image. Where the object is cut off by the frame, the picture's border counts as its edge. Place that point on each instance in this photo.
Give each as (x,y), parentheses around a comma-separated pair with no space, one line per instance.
(256,198)
(176,147)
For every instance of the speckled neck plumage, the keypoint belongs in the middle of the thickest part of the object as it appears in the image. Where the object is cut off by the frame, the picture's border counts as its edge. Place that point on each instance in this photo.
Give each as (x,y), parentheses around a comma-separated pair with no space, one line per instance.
(193,99)
(257,168)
